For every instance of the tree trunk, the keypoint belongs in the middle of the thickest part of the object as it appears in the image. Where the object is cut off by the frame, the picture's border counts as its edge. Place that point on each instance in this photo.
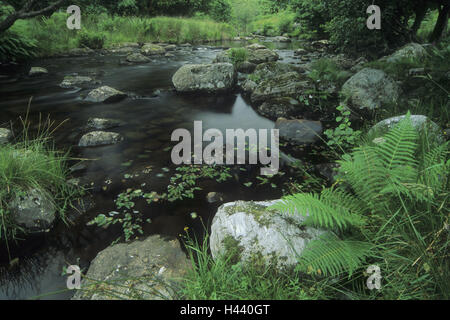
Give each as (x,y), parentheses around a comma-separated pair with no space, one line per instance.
(420,12)
(441,23)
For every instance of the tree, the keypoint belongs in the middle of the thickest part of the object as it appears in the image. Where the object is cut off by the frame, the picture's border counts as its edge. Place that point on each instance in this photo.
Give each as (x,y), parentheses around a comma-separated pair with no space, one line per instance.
(31,8)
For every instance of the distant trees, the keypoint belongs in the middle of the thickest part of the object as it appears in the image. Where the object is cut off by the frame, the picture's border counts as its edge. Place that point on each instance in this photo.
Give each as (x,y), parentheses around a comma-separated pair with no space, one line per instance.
(343,21)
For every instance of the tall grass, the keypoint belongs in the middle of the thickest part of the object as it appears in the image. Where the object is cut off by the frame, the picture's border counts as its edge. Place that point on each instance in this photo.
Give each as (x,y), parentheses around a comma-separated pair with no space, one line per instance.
(52,36)
(274,24)
(224,279)
(32,162)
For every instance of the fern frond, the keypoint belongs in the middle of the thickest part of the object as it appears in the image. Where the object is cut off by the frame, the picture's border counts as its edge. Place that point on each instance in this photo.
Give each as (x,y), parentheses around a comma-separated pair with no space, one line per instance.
(400,145)
(330,209)
(333,256)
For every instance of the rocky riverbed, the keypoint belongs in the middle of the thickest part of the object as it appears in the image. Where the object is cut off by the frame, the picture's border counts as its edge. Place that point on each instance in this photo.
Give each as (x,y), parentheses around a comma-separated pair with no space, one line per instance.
(122,106)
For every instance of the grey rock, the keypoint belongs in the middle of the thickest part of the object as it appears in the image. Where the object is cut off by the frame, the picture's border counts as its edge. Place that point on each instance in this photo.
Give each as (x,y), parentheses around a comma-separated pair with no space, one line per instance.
(150,49)
(269,70)
(290,84)
(278,108)
(77,81)
(137,58)
(149,270)
(247,230)
(208,78)
(222,57)
(98,138)
(262,55)
(255,46)
(370,89)
(102,123)
(105,94)
(5,135)
(213,197)
(282,39)
(248,86)
(413,51)
(34,211)
(419,122)
(416,72)
(246,67)
(300,52)
(299,131)
(37,71)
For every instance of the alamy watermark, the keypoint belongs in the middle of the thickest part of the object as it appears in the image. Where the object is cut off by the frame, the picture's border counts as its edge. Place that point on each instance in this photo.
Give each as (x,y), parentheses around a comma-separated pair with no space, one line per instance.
(374,280)
(235,145)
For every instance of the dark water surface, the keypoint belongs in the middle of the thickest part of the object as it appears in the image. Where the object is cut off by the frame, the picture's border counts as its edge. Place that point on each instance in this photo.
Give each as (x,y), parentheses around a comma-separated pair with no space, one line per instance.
(148,124)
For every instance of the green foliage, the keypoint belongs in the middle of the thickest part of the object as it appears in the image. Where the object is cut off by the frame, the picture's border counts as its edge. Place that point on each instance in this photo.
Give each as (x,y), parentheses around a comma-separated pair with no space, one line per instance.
(238,55)
(33,163)
(328,72)
(130,219)
(16,47)
(184,183)
(387,208)
(275,24)
(343,136)
(90,40)
(221,279)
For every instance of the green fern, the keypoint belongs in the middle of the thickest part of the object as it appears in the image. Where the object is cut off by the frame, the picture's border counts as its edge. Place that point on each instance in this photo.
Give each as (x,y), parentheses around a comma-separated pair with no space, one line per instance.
(329,255)
(380,177)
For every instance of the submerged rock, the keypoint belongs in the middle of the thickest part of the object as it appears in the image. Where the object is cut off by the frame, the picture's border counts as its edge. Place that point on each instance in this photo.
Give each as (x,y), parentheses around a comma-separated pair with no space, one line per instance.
(5,135)
(102,124)
(98,138)
(252,233)
(278,108)
(37,71)
(150,49)
(105,94)
(208,78)
(213,197)
(136,57)
(370,89)
(299,131)
(150,269)
(34,211)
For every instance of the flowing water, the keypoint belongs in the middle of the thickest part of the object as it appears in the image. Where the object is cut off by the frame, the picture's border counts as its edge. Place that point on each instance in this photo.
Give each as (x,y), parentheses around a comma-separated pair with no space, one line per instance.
(148,122)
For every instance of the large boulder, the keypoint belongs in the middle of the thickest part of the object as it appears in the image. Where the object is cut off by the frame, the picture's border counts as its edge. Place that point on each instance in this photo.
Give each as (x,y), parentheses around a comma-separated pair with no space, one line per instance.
(208,78)
(150,49)
(34,211)
(5,135)
(105,94)
(299,131)
(262,55)
(270,70)
(250,232)
(412,51)
(419,122)
(98,138)
(290,84)
(371,89)
(146,270)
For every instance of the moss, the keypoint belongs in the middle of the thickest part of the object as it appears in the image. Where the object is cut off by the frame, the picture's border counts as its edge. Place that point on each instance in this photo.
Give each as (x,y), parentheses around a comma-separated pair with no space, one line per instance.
(233,251)
(261,214)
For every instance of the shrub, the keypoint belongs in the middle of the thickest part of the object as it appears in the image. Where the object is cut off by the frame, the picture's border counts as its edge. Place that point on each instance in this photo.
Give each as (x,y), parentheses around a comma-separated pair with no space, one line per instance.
(91,40)
(238,55)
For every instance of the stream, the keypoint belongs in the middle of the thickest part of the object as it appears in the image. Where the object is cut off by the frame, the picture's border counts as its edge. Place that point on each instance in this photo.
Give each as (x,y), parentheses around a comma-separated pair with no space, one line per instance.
(148,122)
